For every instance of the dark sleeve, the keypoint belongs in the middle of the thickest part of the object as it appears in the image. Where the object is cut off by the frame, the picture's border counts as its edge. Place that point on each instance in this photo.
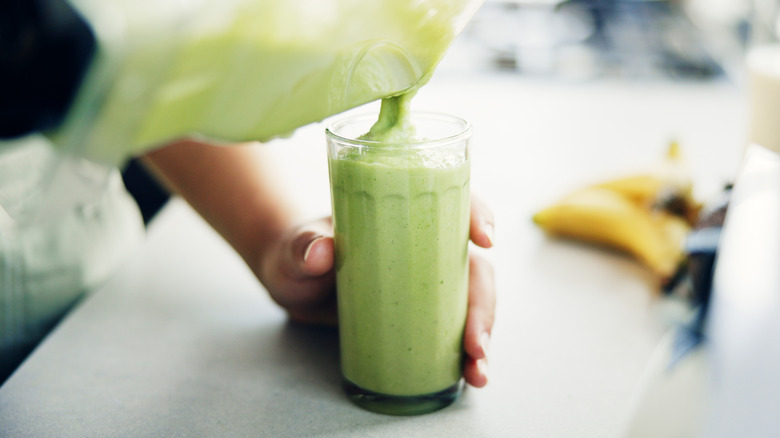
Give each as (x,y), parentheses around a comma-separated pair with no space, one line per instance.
(45,51)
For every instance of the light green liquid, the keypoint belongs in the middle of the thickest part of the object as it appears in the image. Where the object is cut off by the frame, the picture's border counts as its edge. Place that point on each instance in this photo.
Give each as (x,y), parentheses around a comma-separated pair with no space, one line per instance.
(239,70)
(401,229)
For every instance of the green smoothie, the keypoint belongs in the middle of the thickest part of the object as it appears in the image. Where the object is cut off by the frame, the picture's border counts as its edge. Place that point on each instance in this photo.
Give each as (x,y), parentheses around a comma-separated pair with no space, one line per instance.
(401,221)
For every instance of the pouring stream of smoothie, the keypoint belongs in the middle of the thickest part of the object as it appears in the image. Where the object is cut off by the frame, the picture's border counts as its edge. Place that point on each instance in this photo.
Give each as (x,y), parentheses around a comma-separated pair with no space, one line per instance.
(393,125)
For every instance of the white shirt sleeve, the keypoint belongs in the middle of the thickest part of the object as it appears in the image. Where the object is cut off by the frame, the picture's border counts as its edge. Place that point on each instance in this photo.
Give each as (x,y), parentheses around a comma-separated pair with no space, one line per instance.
(65,227)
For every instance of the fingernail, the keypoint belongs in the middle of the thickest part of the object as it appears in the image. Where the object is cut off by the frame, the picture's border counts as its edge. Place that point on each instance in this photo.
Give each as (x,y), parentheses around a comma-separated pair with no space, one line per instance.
(308,249)
(484,342)
(490,233)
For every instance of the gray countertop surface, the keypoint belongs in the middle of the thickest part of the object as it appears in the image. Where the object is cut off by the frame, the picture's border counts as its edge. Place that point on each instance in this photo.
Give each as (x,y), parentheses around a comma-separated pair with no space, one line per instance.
(183,341)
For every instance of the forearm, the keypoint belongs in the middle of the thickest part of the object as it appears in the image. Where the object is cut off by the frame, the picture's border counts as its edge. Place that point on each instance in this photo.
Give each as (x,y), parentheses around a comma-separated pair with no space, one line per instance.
(232,187)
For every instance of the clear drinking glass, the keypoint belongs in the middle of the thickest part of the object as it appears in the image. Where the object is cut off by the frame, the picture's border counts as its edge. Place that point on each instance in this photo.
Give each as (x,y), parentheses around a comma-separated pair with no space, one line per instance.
(401,222)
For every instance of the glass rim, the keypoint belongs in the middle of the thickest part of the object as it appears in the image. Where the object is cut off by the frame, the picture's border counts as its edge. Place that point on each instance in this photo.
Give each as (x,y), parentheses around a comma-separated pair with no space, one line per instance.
(461,134)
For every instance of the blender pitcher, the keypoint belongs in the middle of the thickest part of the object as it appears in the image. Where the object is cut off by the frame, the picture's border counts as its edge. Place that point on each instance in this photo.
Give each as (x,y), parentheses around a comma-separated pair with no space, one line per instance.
(241,70)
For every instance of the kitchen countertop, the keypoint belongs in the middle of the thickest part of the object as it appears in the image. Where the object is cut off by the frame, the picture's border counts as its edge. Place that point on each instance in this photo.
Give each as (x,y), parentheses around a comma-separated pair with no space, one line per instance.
(184,342)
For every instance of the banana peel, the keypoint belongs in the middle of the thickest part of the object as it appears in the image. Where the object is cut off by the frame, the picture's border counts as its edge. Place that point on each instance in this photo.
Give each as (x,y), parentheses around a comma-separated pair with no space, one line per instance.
(645,215)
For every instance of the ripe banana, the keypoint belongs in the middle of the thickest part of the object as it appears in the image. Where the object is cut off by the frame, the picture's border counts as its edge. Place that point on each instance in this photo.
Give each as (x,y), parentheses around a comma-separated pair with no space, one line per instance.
(666,187)
(646,215)
(603,216)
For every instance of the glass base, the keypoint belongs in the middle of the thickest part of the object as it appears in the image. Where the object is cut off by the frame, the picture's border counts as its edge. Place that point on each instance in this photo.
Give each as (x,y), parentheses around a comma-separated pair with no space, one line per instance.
(402,404)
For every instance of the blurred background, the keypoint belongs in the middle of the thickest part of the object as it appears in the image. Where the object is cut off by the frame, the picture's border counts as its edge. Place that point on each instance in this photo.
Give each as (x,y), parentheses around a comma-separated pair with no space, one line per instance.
(582,40)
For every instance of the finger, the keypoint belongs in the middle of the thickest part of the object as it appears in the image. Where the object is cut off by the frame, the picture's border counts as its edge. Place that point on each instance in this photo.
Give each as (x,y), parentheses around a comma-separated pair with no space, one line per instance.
(318,257)
(479,322)
(310,296)
(481,307)
(475,372)
(482,223)
(310,252)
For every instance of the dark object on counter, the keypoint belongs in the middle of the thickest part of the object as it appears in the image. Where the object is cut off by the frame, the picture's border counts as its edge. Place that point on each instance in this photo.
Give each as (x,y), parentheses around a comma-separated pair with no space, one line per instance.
(45,51)
(693,282)
(702,246)
(714,212)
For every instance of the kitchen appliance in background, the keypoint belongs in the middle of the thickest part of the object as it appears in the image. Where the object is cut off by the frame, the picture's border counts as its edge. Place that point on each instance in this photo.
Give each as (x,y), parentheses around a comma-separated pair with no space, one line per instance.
(590,39)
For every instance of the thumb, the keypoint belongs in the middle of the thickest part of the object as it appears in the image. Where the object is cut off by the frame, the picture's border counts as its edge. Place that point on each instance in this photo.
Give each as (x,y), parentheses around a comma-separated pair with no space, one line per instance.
(309,251)
(299,274)
(311,255)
